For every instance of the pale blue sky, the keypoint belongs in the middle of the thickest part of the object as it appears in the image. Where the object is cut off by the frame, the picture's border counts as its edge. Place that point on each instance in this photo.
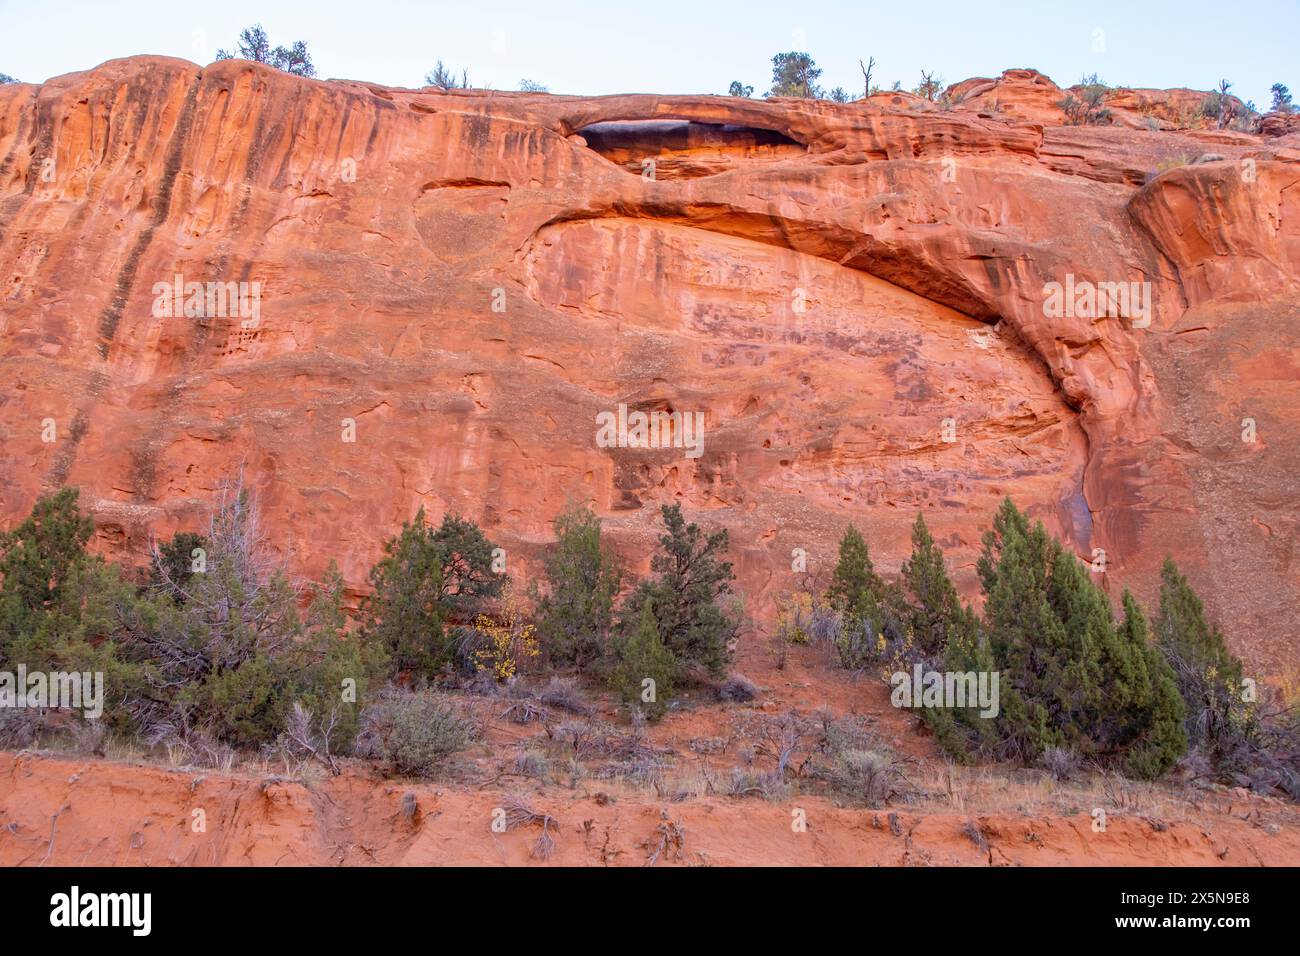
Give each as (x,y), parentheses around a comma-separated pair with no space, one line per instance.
(688,46)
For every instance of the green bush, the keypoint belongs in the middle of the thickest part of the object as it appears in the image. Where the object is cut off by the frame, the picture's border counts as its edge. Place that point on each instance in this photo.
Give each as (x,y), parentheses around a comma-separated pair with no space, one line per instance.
(415,733)
(933,599)
(1208,676)
(1070,677)
(62,609)
(1088,107)
(643,655)
(174,564)
(37,558)
(427,578)
(582,579)
(691,577)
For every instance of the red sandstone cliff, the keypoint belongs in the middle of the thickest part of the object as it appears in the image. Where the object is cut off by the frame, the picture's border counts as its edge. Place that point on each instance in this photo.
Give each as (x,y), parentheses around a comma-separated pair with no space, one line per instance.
(471,277)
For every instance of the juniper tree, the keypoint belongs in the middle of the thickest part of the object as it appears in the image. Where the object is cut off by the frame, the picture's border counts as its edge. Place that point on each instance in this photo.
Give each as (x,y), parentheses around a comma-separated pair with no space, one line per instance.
(691,578)
(795,74)
(583,580)
(1148,700)
(37,559)
(256,46)
(1208,674)
(643,656)
(406,613)
(855,589)
(934,605)
(175,563)
(1040,663)
(1071,677)
(963,731)
(1281,99)
(465,554)
(61,608)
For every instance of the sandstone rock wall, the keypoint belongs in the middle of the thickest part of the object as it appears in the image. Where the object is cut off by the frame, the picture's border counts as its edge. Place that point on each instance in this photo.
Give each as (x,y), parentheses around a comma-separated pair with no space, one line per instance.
(470,277)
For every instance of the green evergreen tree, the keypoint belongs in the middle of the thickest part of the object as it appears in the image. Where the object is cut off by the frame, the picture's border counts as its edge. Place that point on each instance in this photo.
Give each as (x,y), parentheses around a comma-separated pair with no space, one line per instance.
(229,661)
(1018,619)
(583,580)
(37,559)
(643,655)
(934,605)
(691,578)
(465,556)
(406,613)
(1281,99)
(856,589)
(1070,676)
(339,674)
(428,580)
(174,564)
(795,74)
(1146,695)
(1208,675)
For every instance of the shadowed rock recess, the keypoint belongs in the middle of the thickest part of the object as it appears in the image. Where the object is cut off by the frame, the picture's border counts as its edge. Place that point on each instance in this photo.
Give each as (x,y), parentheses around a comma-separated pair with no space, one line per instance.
(472,277)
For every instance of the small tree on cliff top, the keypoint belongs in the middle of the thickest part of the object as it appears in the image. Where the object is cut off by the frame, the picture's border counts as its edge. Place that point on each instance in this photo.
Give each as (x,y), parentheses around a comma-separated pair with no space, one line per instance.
(444,77)
(795,74)
(256,46)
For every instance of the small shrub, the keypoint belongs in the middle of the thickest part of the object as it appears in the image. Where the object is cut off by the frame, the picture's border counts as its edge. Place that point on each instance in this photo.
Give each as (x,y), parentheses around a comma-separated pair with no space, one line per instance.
(20,728)
(563,693)
(737,688)
(519,813)
(794,613)
(858,765)
(529,763)
(88,737)
(747,783)
(415,733)
(1061,762)
(506,640)
(1087,108)
(444,77)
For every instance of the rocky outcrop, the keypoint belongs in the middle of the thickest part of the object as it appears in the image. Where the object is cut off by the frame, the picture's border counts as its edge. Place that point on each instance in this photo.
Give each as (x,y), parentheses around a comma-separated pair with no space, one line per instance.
(453,285)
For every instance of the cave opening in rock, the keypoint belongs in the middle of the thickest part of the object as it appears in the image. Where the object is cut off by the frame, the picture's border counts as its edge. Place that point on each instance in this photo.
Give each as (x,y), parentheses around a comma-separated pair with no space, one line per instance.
(686,149)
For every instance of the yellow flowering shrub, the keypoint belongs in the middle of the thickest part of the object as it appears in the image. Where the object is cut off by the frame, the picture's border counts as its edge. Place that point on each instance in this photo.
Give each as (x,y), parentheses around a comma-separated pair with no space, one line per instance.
(509,640)
(794,616)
